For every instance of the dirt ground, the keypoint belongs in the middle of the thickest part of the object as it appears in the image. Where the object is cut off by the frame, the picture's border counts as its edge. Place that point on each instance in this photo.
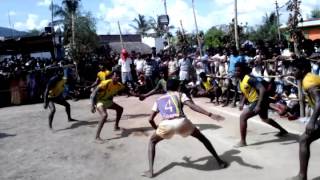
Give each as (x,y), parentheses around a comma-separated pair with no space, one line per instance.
(30,151)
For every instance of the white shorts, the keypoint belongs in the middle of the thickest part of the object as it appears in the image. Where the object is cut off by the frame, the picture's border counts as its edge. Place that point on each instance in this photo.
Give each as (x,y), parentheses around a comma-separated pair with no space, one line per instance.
(181,126)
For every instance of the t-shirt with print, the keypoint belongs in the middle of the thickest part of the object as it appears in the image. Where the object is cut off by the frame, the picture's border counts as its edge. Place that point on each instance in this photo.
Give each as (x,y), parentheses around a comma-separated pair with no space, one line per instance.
(170,105)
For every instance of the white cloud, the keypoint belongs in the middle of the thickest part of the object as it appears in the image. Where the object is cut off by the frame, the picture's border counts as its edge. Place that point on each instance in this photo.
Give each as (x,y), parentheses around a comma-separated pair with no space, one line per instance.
(32,22)
(44,2)
(12,13)
(222,12)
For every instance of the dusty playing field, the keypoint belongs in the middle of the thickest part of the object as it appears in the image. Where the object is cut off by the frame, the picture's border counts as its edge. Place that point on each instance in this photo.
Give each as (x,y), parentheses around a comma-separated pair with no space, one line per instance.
(29,150)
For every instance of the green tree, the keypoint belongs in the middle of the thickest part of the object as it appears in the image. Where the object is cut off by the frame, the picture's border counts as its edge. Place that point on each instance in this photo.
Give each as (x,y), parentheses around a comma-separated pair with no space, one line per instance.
(34,32)
(86,39)
(214,37)
(65,13)
(267,31)
(315,13)
(142,25)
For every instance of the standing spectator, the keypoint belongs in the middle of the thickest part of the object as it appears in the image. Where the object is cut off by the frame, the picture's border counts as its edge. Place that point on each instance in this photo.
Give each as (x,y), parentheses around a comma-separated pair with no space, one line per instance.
(233,83)
(173,68)
(148,69)
(139,63)
(185,67)
(126,64)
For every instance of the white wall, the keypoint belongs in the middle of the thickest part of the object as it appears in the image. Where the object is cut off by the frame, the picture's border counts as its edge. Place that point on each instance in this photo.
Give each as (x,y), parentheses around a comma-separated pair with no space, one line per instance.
(154,42)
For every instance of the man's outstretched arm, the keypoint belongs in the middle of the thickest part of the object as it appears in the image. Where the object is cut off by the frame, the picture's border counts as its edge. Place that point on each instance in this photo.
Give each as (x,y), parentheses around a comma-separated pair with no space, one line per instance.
(203,111)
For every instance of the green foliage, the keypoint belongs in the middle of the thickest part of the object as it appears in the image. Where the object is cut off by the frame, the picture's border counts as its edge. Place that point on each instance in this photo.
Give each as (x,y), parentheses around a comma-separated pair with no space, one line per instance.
(315,13)
(214,38)
(142,25)
(268,31)
(86,39)
(34,32)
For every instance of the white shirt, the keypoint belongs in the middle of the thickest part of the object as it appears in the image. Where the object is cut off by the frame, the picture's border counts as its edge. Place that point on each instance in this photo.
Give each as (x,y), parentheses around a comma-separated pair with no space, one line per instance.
(125,65)
(139,63)
(172,66)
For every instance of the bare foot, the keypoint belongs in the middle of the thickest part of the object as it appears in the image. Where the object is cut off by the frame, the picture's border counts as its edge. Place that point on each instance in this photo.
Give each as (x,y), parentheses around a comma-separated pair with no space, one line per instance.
(99,140)
(282,133)
(298,177)
(223,164)
(240,144)
(72,120)
(116,128)
(148,174)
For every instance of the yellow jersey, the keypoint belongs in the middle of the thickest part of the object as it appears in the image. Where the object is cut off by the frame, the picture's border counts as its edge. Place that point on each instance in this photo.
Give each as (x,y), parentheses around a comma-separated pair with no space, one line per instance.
(207,84)
(108,89)
(248,91)
(58,89)
(308,82)
(102,75)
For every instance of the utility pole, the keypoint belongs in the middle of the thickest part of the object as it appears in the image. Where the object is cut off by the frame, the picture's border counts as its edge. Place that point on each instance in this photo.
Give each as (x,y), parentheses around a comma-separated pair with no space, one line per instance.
(53,33)
(278,21)
(10,25)
(72,23)
(121,40)
(236,35)
(165,6)
(296,36)
(197,31)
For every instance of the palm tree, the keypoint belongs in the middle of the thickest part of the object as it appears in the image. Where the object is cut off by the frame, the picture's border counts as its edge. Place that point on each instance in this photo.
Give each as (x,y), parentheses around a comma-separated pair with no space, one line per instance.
(67,14)
(142,25)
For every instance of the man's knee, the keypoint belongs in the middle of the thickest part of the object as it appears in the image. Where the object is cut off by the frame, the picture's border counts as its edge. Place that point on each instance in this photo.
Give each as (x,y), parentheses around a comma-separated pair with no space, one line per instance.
(303,140)
(266,120)
(120,109)
(52,110)
(243,117)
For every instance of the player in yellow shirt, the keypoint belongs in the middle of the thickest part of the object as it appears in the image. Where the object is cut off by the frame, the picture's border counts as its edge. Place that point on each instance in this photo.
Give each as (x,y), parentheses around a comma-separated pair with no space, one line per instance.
(54,94)
(311,85)
(102,75)
(211,87)
(255,92)
(102,99)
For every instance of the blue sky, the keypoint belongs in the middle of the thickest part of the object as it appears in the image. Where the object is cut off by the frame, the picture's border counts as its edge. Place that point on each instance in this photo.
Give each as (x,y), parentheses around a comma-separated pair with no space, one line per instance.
(35,14)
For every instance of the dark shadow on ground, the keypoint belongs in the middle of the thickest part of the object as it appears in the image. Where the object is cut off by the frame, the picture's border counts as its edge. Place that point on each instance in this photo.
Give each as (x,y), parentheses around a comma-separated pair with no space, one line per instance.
(284,140)
(133,116)
(77,124)
(316,178)
(4,135)
(141,131)
(203,127)
(128,117)
(210,164)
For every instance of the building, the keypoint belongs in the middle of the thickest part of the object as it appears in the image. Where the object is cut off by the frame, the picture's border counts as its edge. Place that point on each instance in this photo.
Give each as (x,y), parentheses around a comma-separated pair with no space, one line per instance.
(310,28)
(131,42)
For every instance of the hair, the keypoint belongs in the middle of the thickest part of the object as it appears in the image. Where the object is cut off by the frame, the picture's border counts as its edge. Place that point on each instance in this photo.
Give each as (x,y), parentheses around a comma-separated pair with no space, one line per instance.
(116,72)
(244,67)
(301,64)
(173,85)
(202,75)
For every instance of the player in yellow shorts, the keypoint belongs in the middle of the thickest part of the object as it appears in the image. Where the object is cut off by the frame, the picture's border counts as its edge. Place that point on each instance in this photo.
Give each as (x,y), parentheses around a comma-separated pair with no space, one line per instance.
(54,94)
(102,99)
(254,91)
(311,85)
(174,121)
